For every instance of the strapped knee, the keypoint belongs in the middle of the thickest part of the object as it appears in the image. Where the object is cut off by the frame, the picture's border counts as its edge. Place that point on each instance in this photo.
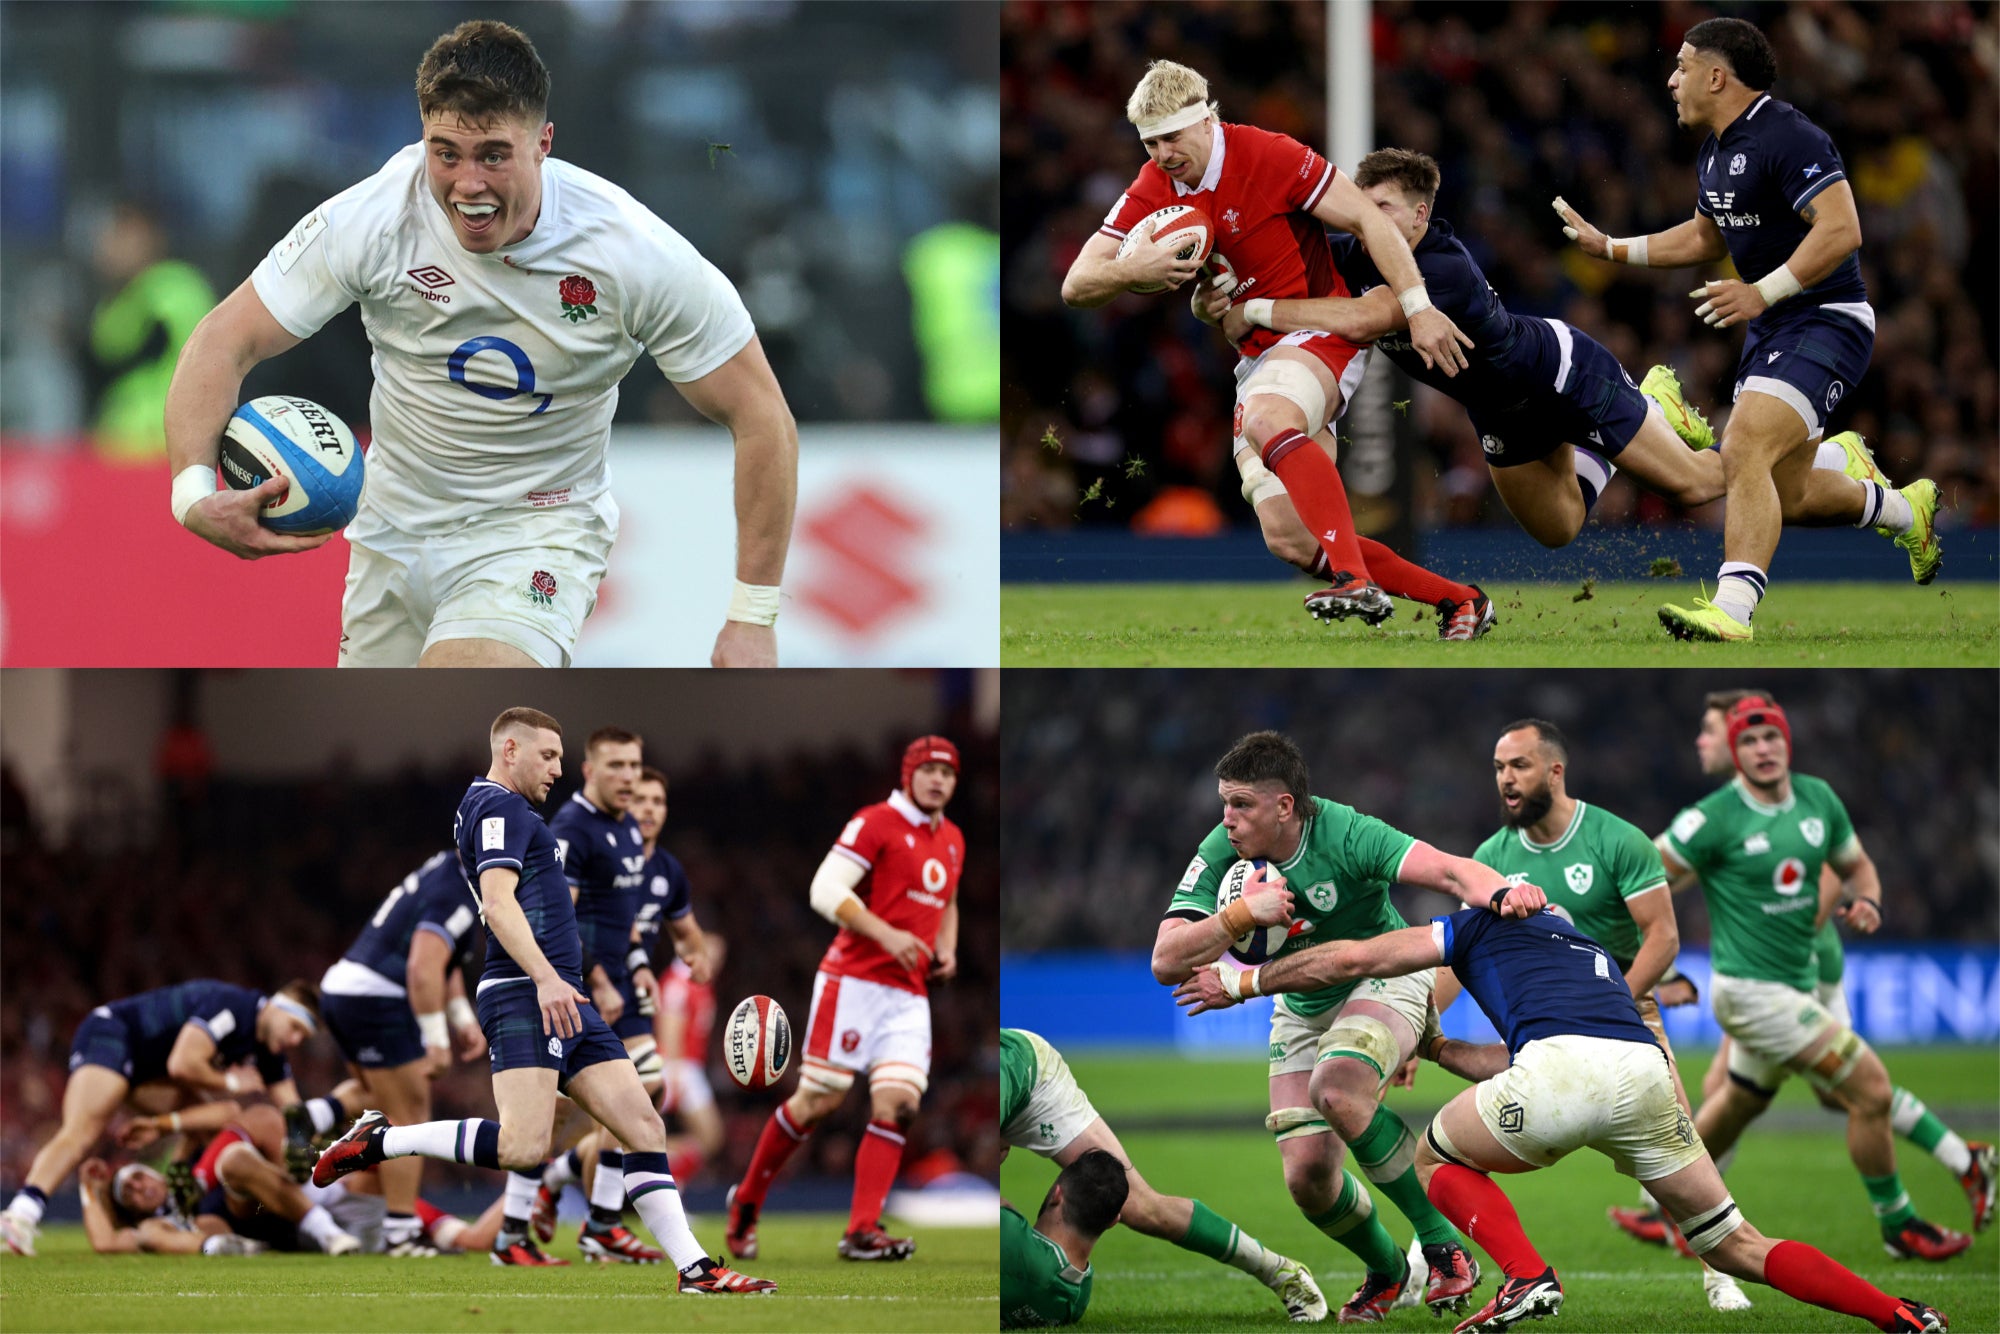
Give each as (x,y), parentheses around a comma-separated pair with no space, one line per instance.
(1293,382)
(898,1075)
(645,1054)
(1711,1227)
(1364,1038)
(1259,482)
(1837,1062)
(821,1077)
(1296,1123)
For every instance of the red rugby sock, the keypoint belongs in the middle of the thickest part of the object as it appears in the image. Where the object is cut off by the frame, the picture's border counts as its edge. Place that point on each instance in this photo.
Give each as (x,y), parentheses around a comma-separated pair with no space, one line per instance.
(774,1146)
(1318,495)
(1801,1271)
(1405,579)
(875,1165)
(1482,1212)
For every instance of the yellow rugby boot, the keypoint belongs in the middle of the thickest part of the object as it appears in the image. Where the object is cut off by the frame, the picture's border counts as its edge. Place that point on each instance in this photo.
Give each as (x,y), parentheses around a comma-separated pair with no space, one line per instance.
(1664,387)
(1926,556)
(1860,463)
(1707,621)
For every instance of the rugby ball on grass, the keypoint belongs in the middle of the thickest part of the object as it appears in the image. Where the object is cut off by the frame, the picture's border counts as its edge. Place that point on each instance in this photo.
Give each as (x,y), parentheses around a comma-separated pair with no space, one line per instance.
(1184,226)
(1259,943)
(757,1043)
(300,441)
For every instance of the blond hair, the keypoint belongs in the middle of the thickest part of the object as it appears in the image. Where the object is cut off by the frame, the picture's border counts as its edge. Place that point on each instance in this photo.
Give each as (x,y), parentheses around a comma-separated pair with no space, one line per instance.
(1167,87)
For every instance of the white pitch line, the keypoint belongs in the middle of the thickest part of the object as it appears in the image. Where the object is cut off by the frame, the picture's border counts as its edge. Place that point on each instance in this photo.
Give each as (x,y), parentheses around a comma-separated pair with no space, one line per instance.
(544,1296)
(1880,1278)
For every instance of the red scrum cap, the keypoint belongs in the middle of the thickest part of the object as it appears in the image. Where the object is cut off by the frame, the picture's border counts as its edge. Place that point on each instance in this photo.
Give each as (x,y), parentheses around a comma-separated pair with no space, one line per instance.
(926,750)
(1756,711)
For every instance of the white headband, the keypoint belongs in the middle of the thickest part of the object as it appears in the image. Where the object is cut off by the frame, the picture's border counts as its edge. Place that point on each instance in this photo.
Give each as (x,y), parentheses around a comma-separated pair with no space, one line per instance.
(297,1011)
(1179,120)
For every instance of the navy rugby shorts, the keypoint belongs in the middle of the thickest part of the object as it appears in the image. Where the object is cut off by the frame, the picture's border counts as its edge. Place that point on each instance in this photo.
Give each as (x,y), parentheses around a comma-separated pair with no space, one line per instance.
(512,1022)
(1589,402)
(1810,357)
(374,1032)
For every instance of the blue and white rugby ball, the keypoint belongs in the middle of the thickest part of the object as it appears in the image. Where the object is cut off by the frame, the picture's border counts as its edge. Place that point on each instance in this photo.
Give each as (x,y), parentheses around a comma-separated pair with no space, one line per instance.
(1259,943)
(297,439)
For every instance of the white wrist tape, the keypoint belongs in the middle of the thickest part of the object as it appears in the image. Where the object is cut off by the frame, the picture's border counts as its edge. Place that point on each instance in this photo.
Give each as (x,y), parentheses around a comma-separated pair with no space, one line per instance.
(1778,284)
(432,1027)
(192,484)
(459,1012)
(1414,300)
(230,1081)
(1257,310)
(754,604)
(1635,249)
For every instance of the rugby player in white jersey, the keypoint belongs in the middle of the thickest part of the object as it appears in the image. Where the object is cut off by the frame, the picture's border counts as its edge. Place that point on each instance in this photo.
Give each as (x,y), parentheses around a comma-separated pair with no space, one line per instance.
(505,293)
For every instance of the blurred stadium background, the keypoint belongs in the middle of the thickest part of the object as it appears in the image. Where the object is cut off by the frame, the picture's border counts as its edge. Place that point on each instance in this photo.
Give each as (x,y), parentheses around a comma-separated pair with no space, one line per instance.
(837,161)
(1518,103)
(157,827)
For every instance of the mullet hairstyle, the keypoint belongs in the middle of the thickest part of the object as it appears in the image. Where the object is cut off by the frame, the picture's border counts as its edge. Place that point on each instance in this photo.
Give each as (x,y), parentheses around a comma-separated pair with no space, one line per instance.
(1546,732)
(1166,88)
(523,717)
(1414,173)
(482,71)
(1268,757)
(611,736)
(1741,46)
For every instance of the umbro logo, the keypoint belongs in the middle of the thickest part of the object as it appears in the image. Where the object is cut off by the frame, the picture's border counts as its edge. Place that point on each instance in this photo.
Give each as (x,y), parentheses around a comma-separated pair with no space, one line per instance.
(432,277)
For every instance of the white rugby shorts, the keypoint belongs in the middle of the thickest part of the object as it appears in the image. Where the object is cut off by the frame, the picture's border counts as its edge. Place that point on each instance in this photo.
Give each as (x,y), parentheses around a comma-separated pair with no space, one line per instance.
(1056,1111)
(1770,1024)
(1296,1042)
(526,578)
(857,1025)
(692,1092)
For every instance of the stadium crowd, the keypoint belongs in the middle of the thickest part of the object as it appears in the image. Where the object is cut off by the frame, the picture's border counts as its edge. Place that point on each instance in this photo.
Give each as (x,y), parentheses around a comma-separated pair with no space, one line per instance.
(1109,783)
(256,882)
(1517,103)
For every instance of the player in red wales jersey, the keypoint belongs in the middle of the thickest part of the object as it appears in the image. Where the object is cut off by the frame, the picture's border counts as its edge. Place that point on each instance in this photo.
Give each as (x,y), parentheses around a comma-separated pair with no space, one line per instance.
(1269,196)
(890,883)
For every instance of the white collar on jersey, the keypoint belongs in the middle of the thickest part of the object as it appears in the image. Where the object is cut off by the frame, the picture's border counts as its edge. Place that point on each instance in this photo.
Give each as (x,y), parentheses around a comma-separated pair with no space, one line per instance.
(1760,806)
(900,803)
(1211,177)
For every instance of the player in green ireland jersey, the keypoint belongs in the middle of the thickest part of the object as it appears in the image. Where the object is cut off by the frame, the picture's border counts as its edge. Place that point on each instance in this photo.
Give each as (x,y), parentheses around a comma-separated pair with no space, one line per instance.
(1758,845)
(1332,1049)
(1042,1110)
(1045,1268)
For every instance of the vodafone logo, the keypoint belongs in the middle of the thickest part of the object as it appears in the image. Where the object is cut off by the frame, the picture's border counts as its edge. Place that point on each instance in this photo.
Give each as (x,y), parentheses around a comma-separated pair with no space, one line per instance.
(934,875)
(1790,877)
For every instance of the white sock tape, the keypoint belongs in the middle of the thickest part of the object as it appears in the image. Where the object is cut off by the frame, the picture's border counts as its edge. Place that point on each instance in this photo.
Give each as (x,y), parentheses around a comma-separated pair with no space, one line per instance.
(754,604)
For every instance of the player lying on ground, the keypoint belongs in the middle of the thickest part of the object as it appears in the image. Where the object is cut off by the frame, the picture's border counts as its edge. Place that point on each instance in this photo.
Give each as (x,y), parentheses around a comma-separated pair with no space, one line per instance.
(1773,198)
(1758,844)
(236,1199)
(1042,1110)
(1973,1163)
(1577,1068)
(487,521)
(890,883)
(1045,1269)
(1556,415)
(1333,1049)
(1271,199)
(156,1052)
(541,1030)
(395,1002)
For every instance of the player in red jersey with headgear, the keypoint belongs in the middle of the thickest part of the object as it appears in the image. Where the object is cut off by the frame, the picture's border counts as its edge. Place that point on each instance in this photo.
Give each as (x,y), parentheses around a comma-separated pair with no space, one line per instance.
(890,884)
(1268,196)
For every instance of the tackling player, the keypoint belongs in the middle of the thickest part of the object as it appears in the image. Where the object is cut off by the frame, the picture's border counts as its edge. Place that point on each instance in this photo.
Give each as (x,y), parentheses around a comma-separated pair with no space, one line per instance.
(1333,1049)
(1577,1068)
(539,1040)
(1268,195)
(1552,407)
(506,293)
(394,1003)
(891,884)
(1758,845)
(1773,198)
(1041,1282)
(159,1051)
(1042,1110)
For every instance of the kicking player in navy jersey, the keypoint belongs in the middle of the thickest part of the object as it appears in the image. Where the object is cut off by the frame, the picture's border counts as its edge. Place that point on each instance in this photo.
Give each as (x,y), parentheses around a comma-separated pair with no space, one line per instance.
(1773,198)
(157,1052)
(542,1033)
(1578,1068)
(395,1002)
(1556,415)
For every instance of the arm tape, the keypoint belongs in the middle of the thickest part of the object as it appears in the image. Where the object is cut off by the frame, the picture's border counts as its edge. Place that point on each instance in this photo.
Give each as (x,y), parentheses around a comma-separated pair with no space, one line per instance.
(638,958)
(833,884)
(433,1028)
(1778,284)
(1635,249)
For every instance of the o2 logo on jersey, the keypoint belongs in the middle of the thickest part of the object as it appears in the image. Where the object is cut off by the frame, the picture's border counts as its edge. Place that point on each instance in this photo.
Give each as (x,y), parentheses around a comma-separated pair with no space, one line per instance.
(524,370)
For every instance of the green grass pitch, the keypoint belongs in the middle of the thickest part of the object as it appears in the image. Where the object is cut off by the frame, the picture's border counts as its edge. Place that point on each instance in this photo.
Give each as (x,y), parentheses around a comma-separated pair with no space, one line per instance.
(951,1284)
(1195,1128)
(1265,625)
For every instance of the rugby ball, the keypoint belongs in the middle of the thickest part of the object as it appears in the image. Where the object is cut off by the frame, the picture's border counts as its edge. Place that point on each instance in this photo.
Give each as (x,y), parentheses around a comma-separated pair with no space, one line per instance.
(1259,943)
(300,441)
(757,1043)
(1185,226)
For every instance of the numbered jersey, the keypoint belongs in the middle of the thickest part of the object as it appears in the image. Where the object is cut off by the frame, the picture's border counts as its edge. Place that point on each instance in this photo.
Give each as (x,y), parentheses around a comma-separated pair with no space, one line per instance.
(1759,868)
(604,858)
(1589,873)
(1538,977)
(1339,879)
(913,864)
(497,827)
(496,375)
(431,898)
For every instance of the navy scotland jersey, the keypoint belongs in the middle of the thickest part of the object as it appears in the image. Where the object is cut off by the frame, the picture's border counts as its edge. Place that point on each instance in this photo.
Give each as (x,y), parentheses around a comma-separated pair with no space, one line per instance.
(1753,179)
(228,1014)
(1529,384)
(666,897)
(604,858)
(1538,977)
(431,898)
(497,827)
